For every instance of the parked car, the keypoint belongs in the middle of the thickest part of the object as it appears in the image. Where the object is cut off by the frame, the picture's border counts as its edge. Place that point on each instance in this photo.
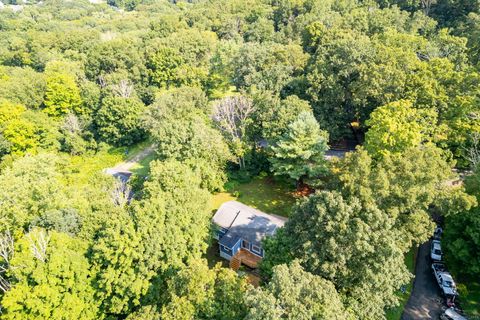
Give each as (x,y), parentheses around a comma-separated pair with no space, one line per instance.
(436,250)
(452,314)
(437,234)
(444,279)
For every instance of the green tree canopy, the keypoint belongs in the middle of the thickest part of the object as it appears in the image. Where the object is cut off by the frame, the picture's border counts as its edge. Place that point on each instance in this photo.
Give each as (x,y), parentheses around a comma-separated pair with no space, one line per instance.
(118,120)
(353,246)
(396,127)
(197,292)
(178,123)
(62,95)
(293,293)
(299,153)
(51,279)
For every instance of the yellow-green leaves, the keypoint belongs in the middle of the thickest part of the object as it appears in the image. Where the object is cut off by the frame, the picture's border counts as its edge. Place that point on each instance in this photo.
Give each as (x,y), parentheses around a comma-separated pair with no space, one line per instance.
(398,126)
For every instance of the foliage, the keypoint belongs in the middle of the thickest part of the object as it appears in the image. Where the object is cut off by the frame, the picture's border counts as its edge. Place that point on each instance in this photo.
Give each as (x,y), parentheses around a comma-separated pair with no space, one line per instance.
(118,120)
(396,127)
(53,283)
(77,77)
(201,293)
(120,280)
(404,186)
(179,125)
(462,237)
(62,95)
(272,116)
(351,237)
(299,153)
(173,215)
(21,200)
(293,293)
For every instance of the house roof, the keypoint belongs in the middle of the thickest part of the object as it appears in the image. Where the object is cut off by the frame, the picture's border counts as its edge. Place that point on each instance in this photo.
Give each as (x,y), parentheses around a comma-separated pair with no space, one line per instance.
(246,223)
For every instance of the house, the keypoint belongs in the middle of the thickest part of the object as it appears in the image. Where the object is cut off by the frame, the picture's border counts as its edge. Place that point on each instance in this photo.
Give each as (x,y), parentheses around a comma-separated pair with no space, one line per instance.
(240,231)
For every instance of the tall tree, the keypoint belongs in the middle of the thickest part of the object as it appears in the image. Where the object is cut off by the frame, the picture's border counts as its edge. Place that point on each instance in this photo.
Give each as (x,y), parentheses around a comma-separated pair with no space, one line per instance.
(29,188)
(299,153)
(353,246)
(396,127)
(118,120)
(51,279)
(62,95)
(293,293)
(179,123)
(197,292)
(461,240)
(404,186)
(117,262)
(233,115)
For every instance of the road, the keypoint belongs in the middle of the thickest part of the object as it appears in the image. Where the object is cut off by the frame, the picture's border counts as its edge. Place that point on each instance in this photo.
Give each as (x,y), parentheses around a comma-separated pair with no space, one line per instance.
(425,301)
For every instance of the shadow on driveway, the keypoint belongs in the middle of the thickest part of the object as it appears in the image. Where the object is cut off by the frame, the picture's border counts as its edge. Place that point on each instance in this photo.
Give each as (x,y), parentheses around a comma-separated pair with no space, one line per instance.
(425,301)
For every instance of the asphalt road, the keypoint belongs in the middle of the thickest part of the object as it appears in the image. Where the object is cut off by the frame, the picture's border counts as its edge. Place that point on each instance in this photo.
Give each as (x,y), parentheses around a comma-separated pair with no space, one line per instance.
(425,301)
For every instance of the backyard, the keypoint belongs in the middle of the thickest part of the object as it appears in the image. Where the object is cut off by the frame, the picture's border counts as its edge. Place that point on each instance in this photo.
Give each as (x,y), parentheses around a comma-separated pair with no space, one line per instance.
(263,193)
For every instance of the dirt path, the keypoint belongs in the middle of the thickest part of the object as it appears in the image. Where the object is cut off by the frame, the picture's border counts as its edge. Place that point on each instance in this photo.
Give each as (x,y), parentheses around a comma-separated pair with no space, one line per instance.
(425,301)
(134,160)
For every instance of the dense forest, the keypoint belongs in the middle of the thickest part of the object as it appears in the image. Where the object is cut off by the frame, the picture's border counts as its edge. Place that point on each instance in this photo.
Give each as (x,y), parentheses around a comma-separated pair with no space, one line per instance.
(227,90)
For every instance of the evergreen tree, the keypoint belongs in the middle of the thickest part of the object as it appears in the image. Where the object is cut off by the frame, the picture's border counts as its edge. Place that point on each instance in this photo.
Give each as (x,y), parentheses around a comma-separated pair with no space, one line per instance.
(299,153)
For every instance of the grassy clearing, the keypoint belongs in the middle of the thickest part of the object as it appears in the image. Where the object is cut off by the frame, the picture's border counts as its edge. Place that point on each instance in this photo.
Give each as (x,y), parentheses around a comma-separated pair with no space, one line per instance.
(396,313)
(142,168)
(263,193)
(83,168)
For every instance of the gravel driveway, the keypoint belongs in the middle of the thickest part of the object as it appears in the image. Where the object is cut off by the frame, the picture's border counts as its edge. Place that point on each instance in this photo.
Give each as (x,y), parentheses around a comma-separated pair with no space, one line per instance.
(425,301)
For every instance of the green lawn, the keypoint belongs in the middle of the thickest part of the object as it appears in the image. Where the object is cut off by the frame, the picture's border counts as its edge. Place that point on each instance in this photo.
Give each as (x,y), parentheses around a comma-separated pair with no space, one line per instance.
(396,313)
(469,298)
(263,193)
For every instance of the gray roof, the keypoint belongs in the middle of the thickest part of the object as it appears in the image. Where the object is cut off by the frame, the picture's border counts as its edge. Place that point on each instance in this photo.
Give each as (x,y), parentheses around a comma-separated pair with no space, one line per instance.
(246,223)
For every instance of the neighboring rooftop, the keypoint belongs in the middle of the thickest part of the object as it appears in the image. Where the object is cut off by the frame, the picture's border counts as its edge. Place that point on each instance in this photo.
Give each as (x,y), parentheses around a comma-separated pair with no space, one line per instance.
(246,222)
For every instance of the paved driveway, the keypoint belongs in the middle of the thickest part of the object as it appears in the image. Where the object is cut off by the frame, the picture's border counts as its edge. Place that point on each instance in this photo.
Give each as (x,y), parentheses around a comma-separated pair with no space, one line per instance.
(425,301)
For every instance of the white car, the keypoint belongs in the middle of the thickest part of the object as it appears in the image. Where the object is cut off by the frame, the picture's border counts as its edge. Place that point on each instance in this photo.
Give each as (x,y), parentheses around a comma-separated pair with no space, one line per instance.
(444,280)
(451,314)
(436,251)
(437,234)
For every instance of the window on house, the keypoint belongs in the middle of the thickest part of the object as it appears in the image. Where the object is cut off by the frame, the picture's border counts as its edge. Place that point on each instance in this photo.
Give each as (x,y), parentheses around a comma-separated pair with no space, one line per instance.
(226,250)
(245,244)
(256,249)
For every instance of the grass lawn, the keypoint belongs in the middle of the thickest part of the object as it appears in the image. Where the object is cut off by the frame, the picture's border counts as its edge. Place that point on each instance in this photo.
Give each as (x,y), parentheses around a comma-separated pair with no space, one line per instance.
(470,299)
(263,193)
(396,313)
